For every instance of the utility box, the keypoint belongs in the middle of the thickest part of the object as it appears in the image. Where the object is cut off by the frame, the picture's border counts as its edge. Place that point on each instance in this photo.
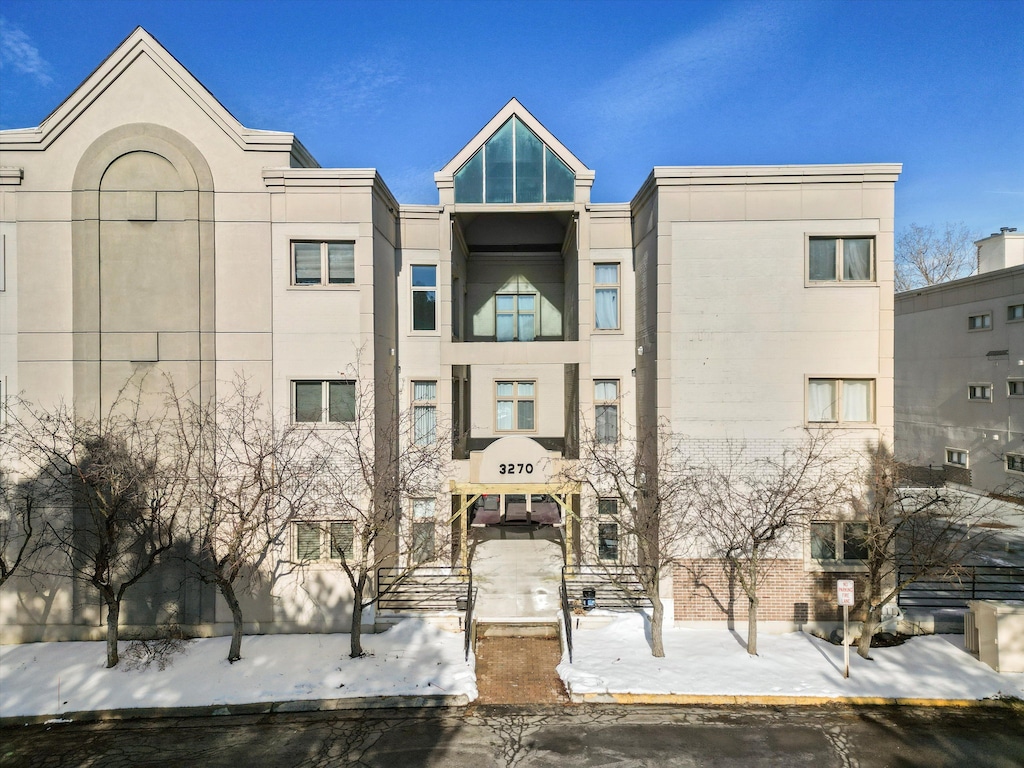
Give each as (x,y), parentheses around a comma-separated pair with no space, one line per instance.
(999,626)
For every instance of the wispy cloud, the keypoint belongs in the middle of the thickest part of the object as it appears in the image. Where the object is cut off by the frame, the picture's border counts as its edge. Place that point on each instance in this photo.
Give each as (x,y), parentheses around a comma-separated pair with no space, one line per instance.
(354,88)
(683,73)
(18,53)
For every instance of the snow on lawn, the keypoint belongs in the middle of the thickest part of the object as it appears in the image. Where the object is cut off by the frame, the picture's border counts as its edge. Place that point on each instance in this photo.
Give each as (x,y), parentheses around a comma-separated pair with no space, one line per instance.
(616,659)
(411,659)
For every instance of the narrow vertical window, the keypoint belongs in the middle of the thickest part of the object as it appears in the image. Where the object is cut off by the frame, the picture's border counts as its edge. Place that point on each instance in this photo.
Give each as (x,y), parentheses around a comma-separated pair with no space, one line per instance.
(307,541)
(424,410)
(424,298)
(606,296)
(423,547)
(606,408)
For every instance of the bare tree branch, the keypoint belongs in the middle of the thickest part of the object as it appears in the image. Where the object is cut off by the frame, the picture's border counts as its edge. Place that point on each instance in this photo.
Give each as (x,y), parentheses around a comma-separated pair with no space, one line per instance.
(926,256)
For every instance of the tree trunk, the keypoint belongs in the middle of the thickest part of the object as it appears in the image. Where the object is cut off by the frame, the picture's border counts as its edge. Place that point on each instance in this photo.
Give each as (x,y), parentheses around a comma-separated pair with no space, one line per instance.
(356,647)
(228,591)
(752,602)
(872,615)
(657,620)
(113,620)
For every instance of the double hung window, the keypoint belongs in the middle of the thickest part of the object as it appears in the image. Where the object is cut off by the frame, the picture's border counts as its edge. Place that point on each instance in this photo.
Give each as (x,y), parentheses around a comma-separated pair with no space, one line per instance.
(515,316)
(515,406)
(424,297)
(323,263)
(424,412)
(840,401)
(606,297)
(841,259)
(324,401)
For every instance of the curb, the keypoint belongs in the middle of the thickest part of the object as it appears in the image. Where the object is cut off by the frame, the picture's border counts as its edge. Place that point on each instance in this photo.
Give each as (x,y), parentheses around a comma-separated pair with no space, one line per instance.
(258,708)
(781,701)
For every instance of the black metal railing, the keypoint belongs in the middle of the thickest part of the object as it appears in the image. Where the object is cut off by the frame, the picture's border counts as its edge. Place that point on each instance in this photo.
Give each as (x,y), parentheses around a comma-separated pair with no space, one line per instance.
(566,617)
(469,627)
(975,582)
(425,588)
(614,587)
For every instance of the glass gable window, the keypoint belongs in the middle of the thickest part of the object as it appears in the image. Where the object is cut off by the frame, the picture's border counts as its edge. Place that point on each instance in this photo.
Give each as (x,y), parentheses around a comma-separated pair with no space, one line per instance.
(514,166)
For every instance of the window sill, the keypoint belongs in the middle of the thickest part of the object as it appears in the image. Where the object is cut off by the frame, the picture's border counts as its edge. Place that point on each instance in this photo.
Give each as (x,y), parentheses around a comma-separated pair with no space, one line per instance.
(835,566)
(808,283)
(344,287)
(841,424)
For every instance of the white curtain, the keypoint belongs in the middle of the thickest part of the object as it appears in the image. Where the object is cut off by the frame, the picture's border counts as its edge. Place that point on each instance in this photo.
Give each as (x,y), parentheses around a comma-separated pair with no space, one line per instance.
(504,415)
(606,308)
(857,259)
(425,424)
(856,400)
(821,400)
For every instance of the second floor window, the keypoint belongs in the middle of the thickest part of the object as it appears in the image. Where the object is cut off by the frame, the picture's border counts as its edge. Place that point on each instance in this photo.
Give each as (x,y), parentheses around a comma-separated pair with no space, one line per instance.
(424,297)
(606,297)
(323,263)
(515,316)
(840,401)
(606,409)
(514,410)
(841,259)
(424,412)
(324,401)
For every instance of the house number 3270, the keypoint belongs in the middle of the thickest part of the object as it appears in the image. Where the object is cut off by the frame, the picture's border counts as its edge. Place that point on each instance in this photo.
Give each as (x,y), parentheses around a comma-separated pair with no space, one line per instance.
(515,469)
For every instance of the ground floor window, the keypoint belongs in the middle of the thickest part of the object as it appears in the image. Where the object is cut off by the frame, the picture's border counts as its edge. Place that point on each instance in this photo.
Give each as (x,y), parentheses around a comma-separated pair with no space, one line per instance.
(324,401)
(1014,462)
(832,541)
(423,547)
(322,540)
(608,541)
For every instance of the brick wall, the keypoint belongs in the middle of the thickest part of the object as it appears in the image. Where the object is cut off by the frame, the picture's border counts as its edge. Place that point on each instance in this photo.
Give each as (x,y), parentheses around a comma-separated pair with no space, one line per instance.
(704,591)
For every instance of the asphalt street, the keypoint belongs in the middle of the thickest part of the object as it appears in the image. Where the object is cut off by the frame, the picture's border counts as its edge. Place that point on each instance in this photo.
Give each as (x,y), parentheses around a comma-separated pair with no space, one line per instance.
(566,736)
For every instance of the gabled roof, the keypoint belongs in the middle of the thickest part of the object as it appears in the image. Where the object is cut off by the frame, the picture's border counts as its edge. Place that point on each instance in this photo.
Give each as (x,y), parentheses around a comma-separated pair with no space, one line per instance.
(138,44)
(514,108)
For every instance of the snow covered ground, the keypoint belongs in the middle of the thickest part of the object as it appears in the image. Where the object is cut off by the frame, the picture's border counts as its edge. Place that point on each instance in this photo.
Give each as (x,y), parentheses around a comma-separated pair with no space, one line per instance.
(616,659)
(410,659)
(416,659)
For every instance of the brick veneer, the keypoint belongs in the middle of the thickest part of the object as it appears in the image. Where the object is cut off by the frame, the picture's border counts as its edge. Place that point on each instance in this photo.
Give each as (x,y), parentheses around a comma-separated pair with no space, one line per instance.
(704,591)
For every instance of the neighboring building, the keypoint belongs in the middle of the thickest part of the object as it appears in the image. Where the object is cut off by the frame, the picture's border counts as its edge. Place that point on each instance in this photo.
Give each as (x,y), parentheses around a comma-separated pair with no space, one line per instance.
(144,227)
(960,371)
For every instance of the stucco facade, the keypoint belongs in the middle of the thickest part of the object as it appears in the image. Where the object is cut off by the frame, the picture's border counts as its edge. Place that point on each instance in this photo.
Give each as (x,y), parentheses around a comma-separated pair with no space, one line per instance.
(144,227)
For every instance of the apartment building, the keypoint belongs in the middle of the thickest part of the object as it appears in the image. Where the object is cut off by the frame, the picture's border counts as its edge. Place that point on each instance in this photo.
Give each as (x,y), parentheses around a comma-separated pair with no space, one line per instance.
(960,371)
(144,228)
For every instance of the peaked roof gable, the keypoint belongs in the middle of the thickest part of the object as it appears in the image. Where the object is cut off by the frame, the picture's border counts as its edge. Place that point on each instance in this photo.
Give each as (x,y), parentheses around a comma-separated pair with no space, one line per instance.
(138,44)
(513,109)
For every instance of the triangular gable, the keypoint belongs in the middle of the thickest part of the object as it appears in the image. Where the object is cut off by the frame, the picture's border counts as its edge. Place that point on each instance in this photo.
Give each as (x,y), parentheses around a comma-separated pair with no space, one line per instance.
(514,108)
(141,43)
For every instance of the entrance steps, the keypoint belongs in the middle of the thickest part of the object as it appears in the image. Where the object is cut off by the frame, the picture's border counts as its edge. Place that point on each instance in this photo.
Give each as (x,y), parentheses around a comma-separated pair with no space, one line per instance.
(516,628)
(516,661)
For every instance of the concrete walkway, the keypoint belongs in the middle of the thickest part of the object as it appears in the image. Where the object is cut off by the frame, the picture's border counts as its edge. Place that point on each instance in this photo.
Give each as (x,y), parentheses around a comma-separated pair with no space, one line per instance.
(517,571)
(519,670)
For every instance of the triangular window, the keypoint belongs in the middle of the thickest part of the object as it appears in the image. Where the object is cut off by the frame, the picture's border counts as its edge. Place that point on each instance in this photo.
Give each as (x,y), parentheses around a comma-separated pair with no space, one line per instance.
(514,166)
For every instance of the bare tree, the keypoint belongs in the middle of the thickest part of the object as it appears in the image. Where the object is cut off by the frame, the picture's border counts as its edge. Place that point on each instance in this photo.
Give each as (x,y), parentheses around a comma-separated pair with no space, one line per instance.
(752,506)
(21,499)
(927,256)
(254,478)
(379,458)
(909,534)
(123,478)
(645,473)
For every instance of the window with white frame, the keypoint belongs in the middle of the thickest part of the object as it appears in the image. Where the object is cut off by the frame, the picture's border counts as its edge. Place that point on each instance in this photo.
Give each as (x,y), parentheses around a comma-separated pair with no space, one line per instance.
(982,322)
(606,297)
(515,406)
(836,541)
(979,392)
(424,512)
(515,316)
(840,259)
(840,401)
(326,402)
(1014,312)
(1015,387)
(606,410)
(324,540)
(424,412)
(323,263)
(956,456)
(424,297)
(1014,462)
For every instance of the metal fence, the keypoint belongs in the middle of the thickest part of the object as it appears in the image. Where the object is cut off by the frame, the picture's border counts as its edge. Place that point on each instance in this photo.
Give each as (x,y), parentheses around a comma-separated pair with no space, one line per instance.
(975,582)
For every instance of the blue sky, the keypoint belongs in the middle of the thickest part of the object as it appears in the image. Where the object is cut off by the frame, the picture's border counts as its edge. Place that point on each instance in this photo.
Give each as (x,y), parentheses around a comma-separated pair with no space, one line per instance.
(401,86)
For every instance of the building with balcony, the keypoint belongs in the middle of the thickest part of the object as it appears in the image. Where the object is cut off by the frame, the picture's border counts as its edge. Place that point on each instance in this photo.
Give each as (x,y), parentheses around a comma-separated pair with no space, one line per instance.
(144,228)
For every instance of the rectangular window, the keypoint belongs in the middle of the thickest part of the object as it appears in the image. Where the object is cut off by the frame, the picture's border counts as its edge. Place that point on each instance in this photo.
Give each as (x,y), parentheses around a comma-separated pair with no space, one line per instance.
(840,401)
(980,322)
(324,401)
(323,263)
(956,456)
(1015,387)
(606,407)
(608,507)
(1014,312)
(840,259)
(608,541)
(342,540)
(423,539)
(980,392)
(606,297)
(515,316)
(307,541)
(833,541)
(424,297)
(424,412)
(1014,462)
(515,406)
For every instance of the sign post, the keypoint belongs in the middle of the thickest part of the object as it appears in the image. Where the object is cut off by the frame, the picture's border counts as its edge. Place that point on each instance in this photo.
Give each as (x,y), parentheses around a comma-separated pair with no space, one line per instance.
(844,593)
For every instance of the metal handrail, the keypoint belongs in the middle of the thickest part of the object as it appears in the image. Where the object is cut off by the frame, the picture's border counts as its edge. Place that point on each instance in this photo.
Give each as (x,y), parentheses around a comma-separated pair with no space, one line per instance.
(566,616)
(468,629)
(975,582)
(616,586)
(421,588)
